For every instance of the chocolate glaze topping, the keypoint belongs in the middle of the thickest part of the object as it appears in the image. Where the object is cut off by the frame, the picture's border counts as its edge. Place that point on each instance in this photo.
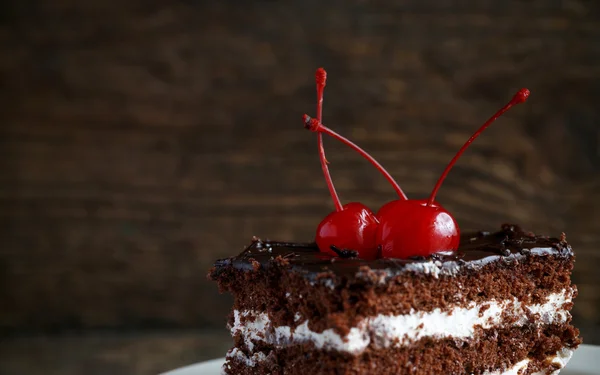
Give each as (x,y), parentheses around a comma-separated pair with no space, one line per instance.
(474,248)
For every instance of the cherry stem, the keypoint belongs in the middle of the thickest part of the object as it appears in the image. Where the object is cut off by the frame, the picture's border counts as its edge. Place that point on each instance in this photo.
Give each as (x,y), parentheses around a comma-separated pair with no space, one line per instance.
(321,78)
(520,97)
(316,126)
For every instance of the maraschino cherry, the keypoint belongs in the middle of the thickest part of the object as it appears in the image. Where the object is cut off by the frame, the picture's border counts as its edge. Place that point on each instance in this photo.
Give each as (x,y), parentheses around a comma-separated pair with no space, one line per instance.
(351,226)
(423,227)
(403,228)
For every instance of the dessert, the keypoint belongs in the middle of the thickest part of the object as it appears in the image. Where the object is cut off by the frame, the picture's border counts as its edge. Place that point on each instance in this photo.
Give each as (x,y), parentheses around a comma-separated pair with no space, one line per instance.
(500,304)
(400,292)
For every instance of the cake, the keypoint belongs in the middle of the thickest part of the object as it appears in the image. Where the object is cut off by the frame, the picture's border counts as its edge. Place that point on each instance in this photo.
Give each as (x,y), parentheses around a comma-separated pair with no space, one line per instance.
(400,291)
(499,305)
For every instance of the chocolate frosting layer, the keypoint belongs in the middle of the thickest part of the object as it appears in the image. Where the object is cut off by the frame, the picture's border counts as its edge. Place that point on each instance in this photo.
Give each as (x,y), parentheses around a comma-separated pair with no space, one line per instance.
(475,250)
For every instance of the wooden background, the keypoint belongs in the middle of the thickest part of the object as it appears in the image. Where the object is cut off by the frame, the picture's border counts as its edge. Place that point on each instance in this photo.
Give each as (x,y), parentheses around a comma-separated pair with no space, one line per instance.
(141,140)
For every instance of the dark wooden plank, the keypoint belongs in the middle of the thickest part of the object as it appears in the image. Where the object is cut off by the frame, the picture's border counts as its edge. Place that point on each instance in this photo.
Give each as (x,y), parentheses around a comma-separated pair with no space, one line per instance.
(140,142)
(139,353)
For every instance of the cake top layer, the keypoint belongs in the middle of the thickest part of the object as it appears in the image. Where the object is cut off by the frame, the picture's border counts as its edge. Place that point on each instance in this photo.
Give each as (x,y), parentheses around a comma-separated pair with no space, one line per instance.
(475,251)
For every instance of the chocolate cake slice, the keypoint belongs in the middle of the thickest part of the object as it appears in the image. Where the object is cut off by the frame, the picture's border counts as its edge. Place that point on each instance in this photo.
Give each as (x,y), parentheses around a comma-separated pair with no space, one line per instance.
(498,305)
(400,291)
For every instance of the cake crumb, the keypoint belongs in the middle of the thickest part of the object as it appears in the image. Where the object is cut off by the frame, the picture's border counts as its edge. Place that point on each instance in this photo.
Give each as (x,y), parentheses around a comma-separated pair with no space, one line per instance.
(563,237)
(482,310)
(282,261)
(255,264)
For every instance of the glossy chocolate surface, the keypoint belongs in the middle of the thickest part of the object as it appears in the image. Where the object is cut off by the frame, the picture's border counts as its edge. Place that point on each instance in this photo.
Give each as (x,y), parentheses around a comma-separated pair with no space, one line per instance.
(475,248)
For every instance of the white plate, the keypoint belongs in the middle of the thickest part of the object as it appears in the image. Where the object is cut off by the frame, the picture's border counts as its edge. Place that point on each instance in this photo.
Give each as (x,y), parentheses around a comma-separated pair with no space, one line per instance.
(585,361)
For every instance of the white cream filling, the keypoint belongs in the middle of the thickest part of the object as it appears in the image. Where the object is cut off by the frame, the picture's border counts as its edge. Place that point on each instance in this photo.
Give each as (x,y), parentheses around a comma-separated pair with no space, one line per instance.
(450,268)
(517,369)
(388,330)
(251,361)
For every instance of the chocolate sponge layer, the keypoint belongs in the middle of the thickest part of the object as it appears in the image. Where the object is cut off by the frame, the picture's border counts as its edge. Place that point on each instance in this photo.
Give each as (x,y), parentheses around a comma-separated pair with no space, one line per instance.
(492,350)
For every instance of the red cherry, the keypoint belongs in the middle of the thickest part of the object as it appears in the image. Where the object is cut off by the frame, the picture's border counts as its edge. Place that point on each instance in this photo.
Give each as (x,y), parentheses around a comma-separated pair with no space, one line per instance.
(411,228)
(354,227)
(423,227)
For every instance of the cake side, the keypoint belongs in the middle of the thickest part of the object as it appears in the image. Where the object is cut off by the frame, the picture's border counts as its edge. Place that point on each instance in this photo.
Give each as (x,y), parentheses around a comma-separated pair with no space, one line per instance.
(459,332)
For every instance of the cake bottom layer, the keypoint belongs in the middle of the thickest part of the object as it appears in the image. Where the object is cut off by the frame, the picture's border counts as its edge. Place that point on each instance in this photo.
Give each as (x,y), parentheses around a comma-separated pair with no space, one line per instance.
(524,350)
